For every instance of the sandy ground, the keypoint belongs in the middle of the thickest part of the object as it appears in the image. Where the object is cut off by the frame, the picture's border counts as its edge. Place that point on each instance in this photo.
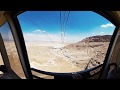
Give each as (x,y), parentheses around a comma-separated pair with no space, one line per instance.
(53,57)
(48,58)
(70,59)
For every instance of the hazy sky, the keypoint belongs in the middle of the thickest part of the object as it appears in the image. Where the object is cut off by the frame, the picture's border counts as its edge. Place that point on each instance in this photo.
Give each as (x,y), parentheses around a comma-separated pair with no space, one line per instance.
(45,25)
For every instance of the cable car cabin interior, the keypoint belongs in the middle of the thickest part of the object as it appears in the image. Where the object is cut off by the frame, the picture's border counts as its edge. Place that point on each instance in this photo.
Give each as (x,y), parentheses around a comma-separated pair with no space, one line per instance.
(59,44)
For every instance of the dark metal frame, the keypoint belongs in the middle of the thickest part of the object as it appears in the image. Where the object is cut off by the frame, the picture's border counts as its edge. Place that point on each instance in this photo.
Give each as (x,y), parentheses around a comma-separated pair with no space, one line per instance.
(6,68)
(4,53)
(20,39)
(104,71)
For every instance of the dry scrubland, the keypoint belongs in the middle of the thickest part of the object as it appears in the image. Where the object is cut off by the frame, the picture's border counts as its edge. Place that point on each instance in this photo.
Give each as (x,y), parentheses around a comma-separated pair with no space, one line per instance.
(70,58)
(67,59)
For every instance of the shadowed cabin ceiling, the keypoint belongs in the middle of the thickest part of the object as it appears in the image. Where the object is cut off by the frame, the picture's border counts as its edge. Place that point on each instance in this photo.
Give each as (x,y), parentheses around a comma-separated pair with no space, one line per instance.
(2,18)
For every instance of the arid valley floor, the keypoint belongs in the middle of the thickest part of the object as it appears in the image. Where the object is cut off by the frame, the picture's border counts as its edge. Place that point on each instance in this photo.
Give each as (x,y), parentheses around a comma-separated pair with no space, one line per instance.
(48,56)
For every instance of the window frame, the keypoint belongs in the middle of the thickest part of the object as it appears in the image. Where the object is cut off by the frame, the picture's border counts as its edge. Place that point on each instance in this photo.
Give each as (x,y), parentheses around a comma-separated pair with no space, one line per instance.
(12,21)
(105,14)
(4,53)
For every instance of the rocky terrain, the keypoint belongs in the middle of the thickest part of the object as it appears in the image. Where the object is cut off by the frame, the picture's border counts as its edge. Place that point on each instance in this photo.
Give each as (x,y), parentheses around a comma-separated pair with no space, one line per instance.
(95,48)
(85,54)
(104,38)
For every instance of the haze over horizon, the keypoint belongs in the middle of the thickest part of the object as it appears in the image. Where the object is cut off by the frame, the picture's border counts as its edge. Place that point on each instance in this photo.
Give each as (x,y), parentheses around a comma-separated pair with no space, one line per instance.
(46,26)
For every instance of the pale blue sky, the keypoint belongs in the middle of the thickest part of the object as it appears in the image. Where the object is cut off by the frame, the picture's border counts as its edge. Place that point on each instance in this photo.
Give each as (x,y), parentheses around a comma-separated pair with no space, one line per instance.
(80,24)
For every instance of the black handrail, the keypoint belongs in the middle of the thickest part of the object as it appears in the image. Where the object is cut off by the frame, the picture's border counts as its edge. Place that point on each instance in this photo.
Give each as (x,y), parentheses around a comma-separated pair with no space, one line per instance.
(84,74)
(50,73)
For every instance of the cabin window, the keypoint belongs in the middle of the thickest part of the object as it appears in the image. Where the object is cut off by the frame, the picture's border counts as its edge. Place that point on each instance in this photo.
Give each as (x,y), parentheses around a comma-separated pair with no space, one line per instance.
(65,41)
(11,50)
(1,60)
(1,63)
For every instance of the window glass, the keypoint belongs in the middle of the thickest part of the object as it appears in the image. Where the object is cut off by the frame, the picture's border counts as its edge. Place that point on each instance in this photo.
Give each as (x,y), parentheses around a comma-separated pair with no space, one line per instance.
(1,60)
(65,41)
(11,50)
(1,63)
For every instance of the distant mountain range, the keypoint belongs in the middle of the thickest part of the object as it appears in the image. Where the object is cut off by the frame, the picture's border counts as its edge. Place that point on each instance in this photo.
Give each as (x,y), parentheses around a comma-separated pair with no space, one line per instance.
(104,38)
(94,47)
(80,44)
